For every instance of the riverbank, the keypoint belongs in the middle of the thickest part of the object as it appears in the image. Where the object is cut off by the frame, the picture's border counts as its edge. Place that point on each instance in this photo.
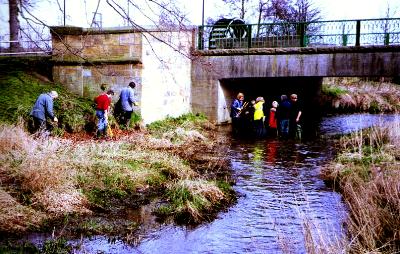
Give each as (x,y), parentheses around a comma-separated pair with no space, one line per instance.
(84,187)
(366,172)
(349,95)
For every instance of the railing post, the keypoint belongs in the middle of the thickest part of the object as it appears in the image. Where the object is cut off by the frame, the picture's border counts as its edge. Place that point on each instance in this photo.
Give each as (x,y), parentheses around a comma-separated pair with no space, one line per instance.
(344,40)
(358,32)
(387,36)
(200,42)
(302,35)
(248,36)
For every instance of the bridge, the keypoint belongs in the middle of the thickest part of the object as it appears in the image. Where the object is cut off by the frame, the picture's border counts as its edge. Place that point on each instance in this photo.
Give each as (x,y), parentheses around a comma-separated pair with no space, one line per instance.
(206,67)
(282,58)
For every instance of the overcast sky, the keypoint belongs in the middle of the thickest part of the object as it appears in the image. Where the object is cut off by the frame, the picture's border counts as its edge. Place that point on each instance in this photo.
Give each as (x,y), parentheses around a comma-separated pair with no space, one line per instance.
(79,11)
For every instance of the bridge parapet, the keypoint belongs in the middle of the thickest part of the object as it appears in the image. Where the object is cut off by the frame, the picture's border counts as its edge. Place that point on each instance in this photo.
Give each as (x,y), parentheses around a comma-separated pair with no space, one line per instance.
(302,34)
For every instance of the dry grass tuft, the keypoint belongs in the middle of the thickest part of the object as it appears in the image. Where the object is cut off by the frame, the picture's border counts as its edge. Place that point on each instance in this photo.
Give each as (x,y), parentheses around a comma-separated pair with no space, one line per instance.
(368,174)
(15,217)
(57,176)
(354,95)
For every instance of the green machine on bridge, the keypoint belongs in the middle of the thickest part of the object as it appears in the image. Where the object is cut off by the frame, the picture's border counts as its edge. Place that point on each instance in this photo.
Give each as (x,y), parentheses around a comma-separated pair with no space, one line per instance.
(227,28)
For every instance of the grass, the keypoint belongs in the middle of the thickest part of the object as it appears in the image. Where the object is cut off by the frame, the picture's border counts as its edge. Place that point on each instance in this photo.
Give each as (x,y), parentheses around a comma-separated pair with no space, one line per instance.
(20,90)
(367,172)
(60,177)
(191,201)
(333,91)
(357,95)
(173,127)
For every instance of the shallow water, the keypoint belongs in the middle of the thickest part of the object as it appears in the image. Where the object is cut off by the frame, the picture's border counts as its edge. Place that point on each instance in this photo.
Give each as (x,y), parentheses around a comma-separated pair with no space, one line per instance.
(282,201)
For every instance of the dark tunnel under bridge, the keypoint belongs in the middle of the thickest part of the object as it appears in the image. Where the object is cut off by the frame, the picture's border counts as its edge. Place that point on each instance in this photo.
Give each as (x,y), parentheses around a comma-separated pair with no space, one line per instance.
(308,90)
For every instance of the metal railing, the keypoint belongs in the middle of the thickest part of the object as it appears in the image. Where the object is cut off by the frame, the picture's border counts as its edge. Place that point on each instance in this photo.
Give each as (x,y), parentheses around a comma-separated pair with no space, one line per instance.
(301,34)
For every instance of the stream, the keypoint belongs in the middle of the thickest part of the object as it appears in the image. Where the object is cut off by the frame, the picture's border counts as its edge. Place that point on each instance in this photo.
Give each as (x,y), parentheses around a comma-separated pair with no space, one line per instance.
(282,204)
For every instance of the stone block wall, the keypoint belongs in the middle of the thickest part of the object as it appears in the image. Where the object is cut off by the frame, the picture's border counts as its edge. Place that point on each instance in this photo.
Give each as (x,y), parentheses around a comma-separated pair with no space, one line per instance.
(157,61)
(89,45)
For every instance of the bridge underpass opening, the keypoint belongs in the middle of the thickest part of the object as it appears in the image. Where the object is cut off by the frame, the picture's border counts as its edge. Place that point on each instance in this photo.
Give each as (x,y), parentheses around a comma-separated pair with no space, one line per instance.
(308,90)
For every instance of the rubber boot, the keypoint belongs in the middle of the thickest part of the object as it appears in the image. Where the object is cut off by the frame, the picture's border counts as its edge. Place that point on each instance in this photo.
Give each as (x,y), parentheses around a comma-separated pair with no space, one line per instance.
(98,134)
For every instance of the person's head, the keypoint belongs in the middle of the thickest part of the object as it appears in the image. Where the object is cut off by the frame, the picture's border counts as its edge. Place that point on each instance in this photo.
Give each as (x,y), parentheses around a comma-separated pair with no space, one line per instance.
(132,84)
(103,87)
(54,94)
(293,97)
(110,92)
(283,97)
(275,104)
(240,96)
(260,99)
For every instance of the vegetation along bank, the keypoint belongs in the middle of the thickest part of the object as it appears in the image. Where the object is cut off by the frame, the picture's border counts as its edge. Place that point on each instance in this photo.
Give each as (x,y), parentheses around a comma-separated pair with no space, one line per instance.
(74,185)
(367,173)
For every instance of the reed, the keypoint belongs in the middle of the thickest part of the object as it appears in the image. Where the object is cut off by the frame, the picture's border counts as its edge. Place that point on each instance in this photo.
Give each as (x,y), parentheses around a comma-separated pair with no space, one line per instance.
(367,172)
(355,95)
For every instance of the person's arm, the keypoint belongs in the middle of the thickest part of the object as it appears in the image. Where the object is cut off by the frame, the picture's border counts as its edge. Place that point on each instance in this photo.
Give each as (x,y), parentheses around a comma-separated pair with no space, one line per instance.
(131,97)
(49,109)
(298,116)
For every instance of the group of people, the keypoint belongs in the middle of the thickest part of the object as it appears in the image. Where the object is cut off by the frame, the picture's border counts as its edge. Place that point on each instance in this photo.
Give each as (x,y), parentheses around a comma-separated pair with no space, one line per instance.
(255,118)
(43,110)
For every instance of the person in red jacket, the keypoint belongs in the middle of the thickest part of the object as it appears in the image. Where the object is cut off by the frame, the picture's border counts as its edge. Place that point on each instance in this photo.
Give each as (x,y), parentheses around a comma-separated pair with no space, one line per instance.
(272,122)
(103,102)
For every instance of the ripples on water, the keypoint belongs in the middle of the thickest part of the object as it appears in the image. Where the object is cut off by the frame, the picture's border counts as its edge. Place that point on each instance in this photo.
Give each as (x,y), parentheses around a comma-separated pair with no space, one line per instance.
(281,197)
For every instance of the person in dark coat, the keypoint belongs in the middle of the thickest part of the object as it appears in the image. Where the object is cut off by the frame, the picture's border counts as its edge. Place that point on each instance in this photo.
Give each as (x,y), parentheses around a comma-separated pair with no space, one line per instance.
(125,105)
(283,116)
(236,110)
(43,110)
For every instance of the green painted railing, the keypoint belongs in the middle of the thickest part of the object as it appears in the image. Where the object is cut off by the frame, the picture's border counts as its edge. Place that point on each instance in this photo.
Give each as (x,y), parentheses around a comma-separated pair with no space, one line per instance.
(301,34)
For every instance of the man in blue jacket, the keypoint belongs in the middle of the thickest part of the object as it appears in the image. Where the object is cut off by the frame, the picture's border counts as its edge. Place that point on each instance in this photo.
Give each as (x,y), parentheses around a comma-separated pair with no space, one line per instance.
(42,110)
(127,98)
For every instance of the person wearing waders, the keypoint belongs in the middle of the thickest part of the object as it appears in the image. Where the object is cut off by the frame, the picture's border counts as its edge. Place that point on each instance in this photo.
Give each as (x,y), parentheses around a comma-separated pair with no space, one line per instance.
(236,110)
(272,121)
(259,118)
(295,130)
(282,116)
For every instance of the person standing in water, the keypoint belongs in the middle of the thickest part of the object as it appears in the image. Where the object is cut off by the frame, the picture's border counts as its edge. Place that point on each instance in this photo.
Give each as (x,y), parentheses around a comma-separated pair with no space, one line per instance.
(283,115)
(236,109)
(295,117)
(272,121)
(259,117)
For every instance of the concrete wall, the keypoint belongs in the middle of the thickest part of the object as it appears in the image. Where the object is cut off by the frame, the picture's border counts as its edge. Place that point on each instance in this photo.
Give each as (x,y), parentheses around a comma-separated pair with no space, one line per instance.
(85,58)
(166,84)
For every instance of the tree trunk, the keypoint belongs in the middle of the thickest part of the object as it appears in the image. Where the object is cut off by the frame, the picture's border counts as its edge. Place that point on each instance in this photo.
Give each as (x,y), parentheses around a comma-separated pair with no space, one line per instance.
(14,25)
